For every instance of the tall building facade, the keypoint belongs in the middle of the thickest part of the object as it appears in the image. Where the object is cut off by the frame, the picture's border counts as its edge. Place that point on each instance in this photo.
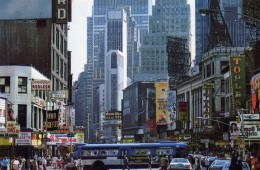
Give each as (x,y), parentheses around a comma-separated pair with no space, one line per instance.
(139,10)
(202,29)
(169,18)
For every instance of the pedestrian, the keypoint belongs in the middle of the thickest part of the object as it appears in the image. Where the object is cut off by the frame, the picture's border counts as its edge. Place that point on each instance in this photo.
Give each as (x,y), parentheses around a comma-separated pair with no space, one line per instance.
(44,163)
(34,164)
(150,162)
(164,162)
(126,162)
(71,166)
(197,163)
(257,162)
(233,164)
(4,164)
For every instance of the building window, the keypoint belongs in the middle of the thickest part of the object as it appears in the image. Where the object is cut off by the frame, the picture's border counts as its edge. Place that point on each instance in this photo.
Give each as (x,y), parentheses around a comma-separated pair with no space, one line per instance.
(22,84)
(113,60)
(4,84)
(22,117)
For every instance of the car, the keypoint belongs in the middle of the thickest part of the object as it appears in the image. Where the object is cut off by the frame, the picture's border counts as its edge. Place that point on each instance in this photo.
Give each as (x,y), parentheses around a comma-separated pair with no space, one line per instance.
(218,164)
(179,164)
(208,160)
(225,164)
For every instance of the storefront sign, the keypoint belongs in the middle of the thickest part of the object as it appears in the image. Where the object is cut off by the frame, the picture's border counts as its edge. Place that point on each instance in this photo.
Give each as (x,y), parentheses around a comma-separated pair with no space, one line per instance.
(24,139)
(62,94)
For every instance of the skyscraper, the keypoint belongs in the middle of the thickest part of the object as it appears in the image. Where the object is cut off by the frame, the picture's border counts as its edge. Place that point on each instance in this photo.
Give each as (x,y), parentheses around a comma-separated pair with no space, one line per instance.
(169,18)
(139,10)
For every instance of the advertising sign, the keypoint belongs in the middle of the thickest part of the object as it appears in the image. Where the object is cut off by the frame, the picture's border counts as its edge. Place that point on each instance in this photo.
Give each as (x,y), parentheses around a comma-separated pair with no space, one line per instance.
(172,109)
(41,85)
(234,130)
(238,79)
(24,139)
(161,103)
(52,120)
(61,94)
(36,139)
(113,115)
(2,114)
(255,84)
(252,130)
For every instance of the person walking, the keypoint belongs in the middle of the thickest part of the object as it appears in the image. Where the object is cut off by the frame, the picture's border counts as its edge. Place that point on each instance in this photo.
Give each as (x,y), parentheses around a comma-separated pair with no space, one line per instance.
(233,164)
(126,162)
(164,162)
(4,164)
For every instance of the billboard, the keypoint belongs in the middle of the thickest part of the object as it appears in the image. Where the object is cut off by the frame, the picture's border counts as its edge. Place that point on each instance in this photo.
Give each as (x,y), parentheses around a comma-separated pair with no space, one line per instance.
(172,109)
(161,103)
(25,138)
(255,83)
(207,101)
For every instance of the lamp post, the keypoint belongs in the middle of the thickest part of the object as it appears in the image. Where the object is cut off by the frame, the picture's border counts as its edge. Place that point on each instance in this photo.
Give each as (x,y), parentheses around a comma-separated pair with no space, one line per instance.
(210,11)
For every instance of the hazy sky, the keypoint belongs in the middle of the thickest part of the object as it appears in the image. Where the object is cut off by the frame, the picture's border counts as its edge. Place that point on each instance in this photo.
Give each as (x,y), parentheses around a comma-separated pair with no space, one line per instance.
(81,9)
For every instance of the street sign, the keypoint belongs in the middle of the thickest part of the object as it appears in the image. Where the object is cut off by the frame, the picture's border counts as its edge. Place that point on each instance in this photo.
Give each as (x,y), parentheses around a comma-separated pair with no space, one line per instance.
(45,139)
(70,135)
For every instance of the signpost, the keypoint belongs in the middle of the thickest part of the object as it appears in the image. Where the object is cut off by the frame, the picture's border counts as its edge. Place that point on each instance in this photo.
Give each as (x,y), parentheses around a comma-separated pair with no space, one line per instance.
(45,139)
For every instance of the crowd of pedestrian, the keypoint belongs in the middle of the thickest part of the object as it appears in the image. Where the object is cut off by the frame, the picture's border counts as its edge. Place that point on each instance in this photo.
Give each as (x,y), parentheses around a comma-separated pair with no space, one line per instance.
(39,163)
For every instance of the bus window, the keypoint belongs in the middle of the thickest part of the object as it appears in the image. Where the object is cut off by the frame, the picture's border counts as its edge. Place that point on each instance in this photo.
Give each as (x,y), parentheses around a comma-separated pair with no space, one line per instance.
(164,151)
(141,152)
(89,153)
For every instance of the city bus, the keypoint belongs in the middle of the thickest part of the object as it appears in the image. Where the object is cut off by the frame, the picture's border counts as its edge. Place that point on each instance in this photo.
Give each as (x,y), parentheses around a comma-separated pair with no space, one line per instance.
(111,156)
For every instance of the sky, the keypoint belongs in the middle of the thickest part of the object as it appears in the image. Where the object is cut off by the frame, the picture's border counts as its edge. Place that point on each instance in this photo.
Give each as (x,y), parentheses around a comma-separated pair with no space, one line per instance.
(77,40)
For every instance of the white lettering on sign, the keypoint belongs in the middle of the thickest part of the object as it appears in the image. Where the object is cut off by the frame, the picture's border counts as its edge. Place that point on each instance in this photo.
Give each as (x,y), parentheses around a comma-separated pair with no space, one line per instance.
(252,131)
(63,1)
(61,13)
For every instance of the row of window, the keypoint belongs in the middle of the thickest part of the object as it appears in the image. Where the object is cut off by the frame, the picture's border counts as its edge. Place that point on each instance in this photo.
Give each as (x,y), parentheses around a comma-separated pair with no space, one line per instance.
(5,84)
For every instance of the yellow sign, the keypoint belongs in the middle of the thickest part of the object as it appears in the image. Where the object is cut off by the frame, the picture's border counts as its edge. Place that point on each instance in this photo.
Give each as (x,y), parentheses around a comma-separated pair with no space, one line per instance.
(5,141)
(80,137)
(161,103)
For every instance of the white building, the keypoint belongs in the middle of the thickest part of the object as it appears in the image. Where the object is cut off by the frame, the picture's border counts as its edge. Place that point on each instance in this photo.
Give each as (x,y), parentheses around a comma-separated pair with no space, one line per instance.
(15,86)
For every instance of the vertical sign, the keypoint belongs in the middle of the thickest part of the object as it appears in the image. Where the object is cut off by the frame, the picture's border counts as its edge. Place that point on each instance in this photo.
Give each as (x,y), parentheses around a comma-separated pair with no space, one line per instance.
(184,111)
(2,114)
(161,103)
(207,101)
(52,120)
(60,11)
(238,79)
(172,109)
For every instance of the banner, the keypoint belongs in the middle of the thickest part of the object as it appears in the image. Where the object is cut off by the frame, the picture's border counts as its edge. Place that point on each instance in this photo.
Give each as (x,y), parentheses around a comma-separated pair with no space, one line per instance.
(52,120)
(238,79)
(161,103)
(172,109)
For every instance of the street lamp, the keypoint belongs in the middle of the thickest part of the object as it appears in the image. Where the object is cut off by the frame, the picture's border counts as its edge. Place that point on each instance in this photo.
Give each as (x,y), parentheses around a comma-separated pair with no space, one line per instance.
(210,11)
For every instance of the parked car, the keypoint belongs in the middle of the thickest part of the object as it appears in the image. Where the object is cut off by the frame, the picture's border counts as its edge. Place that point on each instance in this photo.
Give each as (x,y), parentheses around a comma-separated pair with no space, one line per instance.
(180,163)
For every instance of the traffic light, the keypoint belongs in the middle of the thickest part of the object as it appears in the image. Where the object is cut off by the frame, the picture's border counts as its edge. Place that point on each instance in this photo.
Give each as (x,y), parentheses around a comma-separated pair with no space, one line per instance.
(196,124)
(238,119)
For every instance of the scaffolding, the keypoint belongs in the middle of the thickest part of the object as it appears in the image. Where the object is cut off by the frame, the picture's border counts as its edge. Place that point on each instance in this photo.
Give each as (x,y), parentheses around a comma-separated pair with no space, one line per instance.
(179,60)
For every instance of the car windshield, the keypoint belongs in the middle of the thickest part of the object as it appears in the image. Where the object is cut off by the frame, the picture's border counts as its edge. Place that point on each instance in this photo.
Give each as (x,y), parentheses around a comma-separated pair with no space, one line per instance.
(180,160)
(219,163)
